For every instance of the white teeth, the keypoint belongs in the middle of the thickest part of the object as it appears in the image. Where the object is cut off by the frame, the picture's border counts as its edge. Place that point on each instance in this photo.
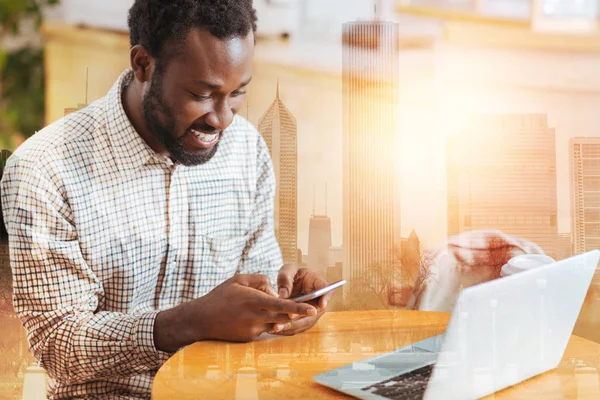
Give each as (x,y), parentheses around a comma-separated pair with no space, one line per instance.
(205,137)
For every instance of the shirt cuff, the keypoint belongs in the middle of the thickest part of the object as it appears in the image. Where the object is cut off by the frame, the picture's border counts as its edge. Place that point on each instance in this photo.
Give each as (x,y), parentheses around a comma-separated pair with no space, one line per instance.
(144,328)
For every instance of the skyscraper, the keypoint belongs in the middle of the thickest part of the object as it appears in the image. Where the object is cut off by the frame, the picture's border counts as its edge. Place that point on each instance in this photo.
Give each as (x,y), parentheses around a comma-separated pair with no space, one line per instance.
(319,242)
(370,84)
(502,175)
(564,246)
(406,270)
(80,106)
(584,169)
(584,166)
(336,255)
(278,128)
(335,272)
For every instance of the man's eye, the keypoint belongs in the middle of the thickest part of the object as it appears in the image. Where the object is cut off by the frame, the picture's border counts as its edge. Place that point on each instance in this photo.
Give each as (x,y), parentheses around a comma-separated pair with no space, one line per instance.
(199,96)
(238,93)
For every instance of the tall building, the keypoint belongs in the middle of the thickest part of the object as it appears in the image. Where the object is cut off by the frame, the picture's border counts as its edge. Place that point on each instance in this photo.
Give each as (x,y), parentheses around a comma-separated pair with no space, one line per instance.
(406,270)
(80,106)
(71,110)
(278,128)
(564,246)
(319,242)
(585,193)
(299,259)
(502,175)
(370,85)
(335,274)
(336,255)
(410,254)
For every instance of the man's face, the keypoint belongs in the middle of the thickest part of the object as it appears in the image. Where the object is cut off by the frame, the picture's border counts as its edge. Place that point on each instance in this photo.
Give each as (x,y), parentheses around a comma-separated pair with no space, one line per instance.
(195,96)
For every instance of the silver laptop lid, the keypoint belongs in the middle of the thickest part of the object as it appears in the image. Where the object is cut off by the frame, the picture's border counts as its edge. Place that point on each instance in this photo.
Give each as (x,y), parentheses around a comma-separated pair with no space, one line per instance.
(508,330)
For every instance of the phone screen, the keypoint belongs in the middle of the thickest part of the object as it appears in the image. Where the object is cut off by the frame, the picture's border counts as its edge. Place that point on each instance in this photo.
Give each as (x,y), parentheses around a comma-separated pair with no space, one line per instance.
(318,293)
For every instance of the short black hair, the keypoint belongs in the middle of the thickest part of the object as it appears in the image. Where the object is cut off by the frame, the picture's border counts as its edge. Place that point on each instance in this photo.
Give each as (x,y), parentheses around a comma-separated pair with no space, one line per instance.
(153,23)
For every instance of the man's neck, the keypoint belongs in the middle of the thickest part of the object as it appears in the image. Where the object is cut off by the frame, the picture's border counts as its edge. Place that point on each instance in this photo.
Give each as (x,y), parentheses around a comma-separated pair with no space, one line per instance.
(131,97)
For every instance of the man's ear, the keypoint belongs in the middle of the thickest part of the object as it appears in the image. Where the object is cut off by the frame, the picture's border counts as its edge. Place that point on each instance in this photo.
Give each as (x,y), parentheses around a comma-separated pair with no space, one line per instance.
(142,63)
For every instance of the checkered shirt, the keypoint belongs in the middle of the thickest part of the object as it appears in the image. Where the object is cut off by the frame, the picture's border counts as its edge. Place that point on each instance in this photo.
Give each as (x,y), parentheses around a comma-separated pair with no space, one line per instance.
(104,233)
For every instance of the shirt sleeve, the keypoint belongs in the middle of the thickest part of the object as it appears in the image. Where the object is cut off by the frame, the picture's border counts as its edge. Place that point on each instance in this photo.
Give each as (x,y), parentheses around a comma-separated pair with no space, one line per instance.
(262,254)
(57,296)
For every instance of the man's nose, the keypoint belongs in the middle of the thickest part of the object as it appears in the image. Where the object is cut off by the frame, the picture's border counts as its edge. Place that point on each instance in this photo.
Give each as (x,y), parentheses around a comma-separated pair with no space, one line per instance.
(221,116)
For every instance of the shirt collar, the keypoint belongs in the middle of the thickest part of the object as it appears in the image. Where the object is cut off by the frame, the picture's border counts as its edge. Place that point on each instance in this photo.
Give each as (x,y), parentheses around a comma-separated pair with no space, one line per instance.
(131,151)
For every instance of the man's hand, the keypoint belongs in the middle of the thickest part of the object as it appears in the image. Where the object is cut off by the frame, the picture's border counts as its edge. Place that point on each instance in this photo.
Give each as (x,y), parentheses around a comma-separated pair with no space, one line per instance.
(292,282)
(238,310)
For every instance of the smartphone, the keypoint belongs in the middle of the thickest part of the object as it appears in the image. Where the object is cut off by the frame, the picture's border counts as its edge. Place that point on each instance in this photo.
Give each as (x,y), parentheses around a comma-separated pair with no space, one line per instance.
(318,293)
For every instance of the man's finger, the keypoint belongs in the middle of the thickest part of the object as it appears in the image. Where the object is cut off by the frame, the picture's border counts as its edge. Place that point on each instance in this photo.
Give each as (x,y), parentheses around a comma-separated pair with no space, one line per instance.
(310,281)
(325,299)
(295,327)
(283,306)
(258,282)
(285,280)
(276,318)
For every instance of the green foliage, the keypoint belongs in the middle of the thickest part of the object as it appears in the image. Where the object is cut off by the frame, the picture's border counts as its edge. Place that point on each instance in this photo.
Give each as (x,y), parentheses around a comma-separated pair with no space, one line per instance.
(13,11)
(22,98)
(23,78)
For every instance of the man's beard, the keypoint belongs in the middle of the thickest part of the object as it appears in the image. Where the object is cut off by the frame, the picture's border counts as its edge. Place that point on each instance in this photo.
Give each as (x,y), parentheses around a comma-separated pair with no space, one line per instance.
(154,106)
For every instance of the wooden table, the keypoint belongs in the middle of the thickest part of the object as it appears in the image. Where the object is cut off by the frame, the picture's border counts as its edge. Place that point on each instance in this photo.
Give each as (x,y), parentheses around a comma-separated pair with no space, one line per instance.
(283,368)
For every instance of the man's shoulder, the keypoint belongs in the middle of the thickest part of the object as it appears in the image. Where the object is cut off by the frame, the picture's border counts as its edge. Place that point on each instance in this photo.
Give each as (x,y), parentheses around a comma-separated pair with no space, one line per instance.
(64,138)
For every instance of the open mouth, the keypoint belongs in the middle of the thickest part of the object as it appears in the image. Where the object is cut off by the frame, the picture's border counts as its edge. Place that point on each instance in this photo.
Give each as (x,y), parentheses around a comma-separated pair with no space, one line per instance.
(204,140)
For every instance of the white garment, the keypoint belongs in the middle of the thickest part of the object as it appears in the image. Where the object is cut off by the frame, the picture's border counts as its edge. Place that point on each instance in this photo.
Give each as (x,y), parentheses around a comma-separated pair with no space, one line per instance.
(464,260)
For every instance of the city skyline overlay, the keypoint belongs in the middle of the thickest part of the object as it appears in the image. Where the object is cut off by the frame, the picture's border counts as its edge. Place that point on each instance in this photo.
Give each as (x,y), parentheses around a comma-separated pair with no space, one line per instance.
(490,190)
(426,215)
(280,130)
(398,181)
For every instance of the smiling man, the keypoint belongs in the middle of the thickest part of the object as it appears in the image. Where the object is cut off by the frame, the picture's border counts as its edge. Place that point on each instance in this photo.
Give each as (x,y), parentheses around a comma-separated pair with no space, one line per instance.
(144,222)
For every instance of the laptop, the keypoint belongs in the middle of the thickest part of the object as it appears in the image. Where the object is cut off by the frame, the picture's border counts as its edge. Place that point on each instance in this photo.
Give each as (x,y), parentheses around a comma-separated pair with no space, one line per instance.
(500,333)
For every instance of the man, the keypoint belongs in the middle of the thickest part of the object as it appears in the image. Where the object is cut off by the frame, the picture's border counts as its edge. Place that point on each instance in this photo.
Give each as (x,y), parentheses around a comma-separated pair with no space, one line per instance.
(144,222)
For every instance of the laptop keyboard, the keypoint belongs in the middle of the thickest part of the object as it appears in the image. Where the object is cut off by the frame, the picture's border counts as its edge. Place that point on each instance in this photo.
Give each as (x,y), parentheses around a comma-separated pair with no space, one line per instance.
(408,386)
